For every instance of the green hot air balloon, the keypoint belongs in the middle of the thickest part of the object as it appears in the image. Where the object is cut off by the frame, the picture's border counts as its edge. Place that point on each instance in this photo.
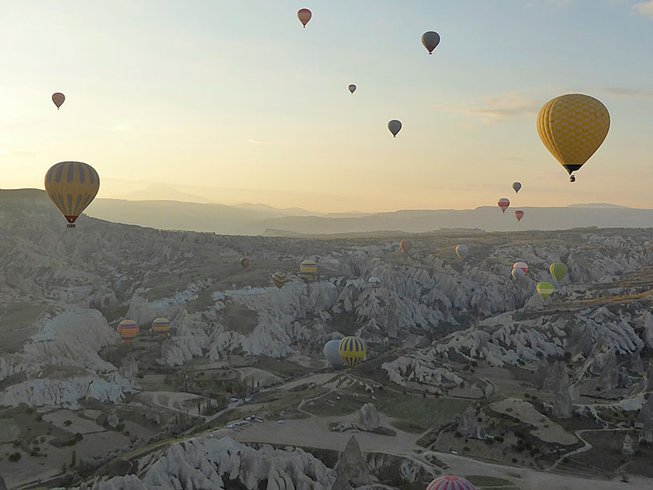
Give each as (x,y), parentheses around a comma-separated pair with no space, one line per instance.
(544,289)
(558,271)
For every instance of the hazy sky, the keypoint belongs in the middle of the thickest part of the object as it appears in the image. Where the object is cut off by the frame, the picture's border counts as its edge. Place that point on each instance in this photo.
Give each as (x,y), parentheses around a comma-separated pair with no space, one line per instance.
(233,101)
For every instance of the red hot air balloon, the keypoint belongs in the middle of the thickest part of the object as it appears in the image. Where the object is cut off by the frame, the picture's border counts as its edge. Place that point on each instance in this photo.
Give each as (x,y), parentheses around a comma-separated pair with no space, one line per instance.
(450,482)
(58,98)
(304,16)
(519,214)
(405,246)
(503,204)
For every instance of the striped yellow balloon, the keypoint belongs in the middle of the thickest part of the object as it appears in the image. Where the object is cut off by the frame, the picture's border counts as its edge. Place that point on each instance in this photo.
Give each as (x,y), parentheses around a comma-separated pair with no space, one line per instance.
(352,350)
(72,186)
(572,127)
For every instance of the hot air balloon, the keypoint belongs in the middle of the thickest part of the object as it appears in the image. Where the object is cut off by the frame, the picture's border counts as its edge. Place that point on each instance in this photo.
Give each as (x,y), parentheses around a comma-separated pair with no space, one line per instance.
(394,126)
(450,482)
(461,251)
(544,289)
(430,40)
(573,127)
(58,98)
(516,186)
(127,329)
(72,186)
(308,270)
(332,354)
(279,279)
(523,266)
(405,246)
(519,214)
(245,262)
(161,327)
(304,16)
(373,281)
(503,203)
(352,88)
(352,350)
(558,271)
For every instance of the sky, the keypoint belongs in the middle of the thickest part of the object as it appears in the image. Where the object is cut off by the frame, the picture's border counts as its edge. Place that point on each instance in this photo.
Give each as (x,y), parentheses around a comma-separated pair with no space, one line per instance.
(233,101)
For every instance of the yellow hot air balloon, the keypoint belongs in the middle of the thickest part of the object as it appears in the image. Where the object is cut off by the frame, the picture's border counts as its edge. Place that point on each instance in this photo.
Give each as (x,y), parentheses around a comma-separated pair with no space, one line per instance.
(161,327)
(127,329)
(572,127)
(308,269)
(352,350)
(72,186)
(544,289)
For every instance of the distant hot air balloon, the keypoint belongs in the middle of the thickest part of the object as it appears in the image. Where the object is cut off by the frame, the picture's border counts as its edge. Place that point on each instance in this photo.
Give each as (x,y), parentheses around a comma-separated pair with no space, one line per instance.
(352,350)
(405,246)
(516,186)
(308,269)
(503,203)
(558,271)
(161,327)
(544,289)
(245,262)
(127,329)
(304,16)
(519,214)
(523,266)
(517,273)
(394,126)
(461,251)
(352,88)
(332,354)
(71,186)
(374,281)
(573,127)
(58,98)
(279,279)
(450,482)
(430,40)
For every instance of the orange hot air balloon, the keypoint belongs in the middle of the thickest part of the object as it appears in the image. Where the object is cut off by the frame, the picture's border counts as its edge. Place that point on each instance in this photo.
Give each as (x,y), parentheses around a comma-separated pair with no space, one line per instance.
(503,204)
(161,327)
(304,16)
(127,329)
(58,98)
(519,214)
(405,246)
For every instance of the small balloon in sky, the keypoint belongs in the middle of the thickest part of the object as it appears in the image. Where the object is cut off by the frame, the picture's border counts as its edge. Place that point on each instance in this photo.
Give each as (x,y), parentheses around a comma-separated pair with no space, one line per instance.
(352,88)
(58,98)
(430,40)
(304,16)
(394,126)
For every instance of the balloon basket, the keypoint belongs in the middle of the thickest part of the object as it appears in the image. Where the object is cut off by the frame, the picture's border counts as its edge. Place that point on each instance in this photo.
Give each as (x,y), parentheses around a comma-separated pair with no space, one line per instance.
(70,225)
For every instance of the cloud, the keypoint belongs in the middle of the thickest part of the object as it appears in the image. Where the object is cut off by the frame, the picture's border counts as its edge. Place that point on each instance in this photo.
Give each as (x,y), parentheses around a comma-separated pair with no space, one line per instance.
(644,8)
(497,108)
(629,92)
(125,126)
(255,141)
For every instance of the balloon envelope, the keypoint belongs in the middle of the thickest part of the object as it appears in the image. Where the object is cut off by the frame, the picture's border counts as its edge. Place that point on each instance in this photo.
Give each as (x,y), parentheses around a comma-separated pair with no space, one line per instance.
(352,350)
(544,289)
(161,326)
(279,279)
(517,273)
(394,126)
(405,246)
(127,329)
(516,186)
(558,270)
(461,251)
(450,482)
(519,214)
(58,98)
(523,266)
(304,16)
(573,127)
(72,186)
(352,88)
(430,40)
(503,203)
(332,354)
(245,262)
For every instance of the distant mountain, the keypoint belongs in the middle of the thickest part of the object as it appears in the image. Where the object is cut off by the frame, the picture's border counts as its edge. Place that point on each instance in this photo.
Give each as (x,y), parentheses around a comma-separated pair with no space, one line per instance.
(595,205)
(162,192)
